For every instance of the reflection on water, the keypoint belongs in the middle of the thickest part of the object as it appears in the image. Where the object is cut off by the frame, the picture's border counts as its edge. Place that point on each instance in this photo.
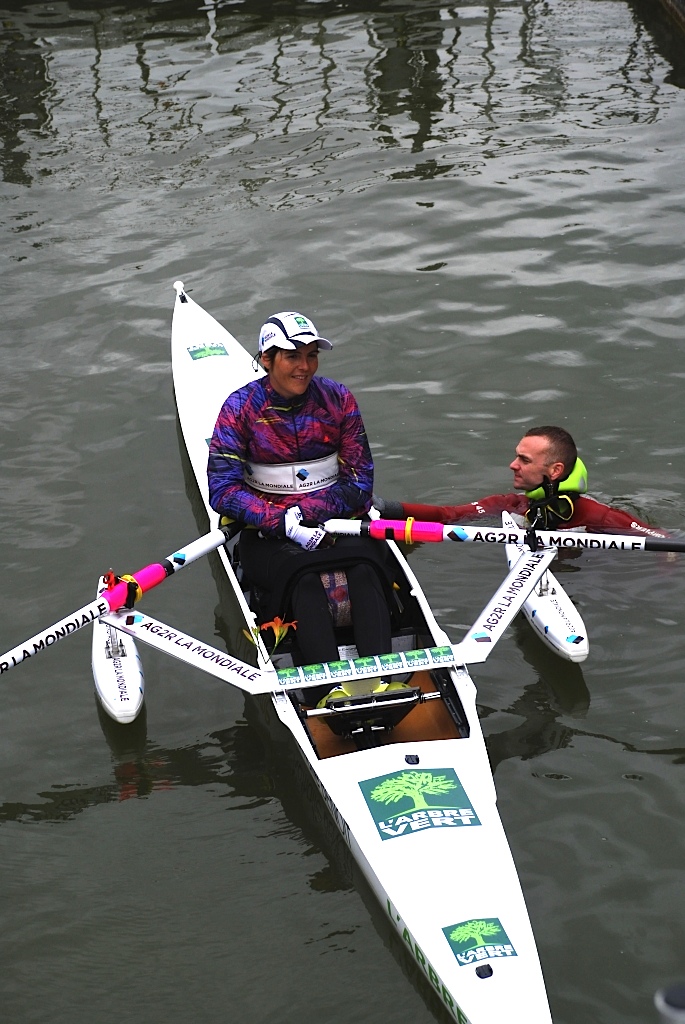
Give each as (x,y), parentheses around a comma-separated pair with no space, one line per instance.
(333,76)
(560,693)
(233,759)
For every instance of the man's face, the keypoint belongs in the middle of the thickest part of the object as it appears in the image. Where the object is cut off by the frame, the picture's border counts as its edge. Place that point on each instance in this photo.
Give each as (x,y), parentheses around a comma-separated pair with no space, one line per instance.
(533,462)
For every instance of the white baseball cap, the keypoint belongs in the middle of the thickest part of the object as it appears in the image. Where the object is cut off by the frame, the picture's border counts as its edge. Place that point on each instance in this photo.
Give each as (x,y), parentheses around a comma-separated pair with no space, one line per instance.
(289,330)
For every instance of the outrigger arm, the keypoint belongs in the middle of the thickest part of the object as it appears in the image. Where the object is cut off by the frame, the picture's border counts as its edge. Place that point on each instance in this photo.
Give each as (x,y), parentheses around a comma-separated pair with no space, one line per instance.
(478,643)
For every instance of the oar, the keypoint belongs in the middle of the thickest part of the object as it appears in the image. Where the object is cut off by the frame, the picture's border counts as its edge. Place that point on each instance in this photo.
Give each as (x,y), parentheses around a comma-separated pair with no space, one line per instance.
(122,594)
(413,531)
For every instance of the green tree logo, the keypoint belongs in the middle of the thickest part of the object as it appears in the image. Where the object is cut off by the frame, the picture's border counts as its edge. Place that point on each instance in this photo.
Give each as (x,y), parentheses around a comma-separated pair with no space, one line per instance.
(479,931)
(414,785)
(365,664)
(415,799)
(287,675)
(478,939)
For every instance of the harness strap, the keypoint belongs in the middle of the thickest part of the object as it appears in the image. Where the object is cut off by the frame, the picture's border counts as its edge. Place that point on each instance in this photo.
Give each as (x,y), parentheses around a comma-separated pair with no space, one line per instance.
(293,477)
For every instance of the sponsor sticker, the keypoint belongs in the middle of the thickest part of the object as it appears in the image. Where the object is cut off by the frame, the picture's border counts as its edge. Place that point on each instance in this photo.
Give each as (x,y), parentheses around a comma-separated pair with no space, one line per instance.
(388,662)
(416,799)
(416,659)
(477,940)
(313,673)
(362,666)
(441,654)
(288,675)
(338,669)
(204,351)
(481,638)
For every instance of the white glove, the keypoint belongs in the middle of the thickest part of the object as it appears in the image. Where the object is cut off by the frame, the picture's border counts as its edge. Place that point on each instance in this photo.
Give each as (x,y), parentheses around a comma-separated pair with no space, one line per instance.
(305,536)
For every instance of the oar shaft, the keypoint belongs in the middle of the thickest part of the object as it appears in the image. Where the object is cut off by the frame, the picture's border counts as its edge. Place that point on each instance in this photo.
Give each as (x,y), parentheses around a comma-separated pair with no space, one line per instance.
(415,532)
(111,600)
(47,637)
(155,573)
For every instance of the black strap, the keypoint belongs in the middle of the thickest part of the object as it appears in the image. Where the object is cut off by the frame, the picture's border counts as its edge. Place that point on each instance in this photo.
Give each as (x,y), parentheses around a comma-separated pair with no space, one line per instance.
(553,510)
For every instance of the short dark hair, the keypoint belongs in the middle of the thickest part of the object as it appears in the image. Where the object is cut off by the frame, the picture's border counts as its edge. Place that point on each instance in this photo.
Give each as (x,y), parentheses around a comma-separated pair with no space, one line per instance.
(562,447)
(270,353)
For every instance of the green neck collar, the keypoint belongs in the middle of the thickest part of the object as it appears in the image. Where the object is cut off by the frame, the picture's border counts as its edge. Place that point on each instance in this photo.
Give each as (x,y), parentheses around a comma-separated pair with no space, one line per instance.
(574,483)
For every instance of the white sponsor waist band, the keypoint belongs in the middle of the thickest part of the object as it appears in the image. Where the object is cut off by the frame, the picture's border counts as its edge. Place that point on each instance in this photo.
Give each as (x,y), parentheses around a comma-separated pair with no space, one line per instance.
(293,477)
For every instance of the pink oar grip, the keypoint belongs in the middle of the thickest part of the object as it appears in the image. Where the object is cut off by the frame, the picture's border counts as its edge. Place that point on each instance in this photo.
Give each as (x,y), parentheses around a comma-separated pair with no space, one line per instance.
(432,532)
(146,579)
(406,530)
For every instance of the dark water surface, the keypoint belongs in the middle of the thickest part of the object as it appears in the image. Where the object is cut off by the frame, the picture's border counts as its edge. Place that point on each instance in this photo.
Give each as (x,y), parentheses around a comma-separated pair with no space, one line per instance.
(483,205)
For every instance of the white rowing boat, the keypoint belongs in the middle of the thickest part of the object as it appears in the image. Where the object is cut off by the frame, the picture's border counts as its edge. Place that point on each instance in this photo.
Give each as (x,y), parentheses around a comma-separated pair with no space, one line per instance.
(549,609)
(415,803)
(117,670)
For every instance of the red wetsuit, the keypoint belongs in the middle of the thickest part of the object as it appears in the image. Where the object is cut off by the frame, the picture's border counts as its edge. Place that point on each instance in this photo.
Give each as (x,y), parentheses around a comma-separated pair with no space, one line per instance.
(587,513)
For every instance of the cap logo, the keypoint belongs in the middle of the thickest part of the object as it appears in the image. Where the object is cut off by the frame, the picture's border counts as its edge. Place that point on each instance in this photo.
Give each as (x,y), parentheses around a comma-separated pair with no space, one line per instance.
(301,322)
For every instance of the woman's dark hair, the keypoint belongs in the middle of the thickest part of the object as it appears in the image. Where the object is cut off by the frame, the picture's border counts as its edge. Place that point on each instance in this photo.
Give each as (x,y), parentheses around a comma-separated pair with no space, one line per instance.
(270,354)
(562,447)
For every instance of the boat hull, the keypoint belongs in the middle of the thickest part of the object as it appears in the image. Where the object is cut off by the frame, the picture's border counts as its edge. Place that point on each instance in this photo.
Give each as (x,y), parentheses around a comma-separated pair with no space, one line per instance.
(418,811)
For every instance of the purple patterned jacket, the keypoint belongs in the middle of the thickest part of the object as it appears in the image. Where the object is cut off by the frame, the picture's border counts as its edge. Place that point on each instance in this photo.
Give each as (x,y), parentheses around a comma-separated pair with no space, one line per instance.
(257,424)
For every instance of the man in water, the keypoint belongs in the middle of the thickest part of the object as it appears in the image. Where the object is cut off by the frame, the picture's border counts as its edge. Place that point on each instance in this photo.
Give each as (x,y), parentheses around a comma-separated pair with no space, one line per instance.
(553,480)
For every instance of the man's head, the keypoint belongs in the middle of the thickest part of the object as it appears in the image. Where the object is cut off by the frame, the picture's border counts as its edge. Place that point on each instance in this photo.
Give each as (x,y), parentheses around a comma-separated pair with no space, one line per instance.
(543,452)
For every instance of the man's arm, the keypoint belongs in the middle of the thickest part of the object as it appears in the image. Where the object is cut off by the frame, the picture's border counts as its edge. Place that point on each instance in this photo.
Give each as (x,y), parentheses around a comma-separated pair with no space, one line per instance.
(606,519)
(494,504)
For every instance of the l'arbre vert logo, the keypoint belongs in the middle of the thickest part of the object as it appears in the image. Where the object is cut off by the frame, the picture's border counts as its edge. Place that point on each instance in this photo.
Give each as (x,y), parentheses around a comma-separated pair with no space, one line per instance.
(313,673)
(363,665)
(213,348)
(477,940)
(416,799)
(389,661)
(287,675)
(416,659)
(445,654)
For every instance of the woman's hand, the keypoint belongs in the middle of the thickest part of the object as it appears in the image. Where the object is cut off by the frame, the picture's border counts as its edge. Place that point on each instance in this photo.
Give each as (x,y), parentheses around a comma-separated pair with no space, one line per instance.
(307,537)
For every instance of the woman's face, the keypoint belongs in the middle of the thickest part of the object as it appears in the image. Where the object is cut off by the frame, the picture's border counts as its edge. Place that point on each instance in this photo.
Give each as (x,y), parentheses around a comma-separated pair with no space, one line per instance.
(290,372)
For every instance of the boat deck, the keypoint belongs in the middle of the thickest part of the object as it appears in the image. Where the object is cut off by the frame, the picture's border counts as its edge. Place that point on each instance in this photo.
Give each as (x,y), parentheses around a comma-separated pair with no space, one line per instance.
(429,721)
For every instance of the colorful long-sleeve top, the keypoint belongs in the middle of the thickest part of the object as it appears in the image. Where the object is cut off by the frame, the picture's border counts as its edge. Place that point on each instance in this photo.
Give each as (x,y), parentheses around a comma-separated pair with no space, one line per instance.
(257,425)
(587,512)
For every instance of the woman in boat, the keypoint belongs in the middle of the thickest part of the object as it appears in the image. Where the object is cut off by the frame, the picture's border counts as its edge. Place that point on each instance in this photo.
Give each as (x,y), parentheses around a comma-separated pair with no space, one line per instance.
(289,450)
(553,479)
